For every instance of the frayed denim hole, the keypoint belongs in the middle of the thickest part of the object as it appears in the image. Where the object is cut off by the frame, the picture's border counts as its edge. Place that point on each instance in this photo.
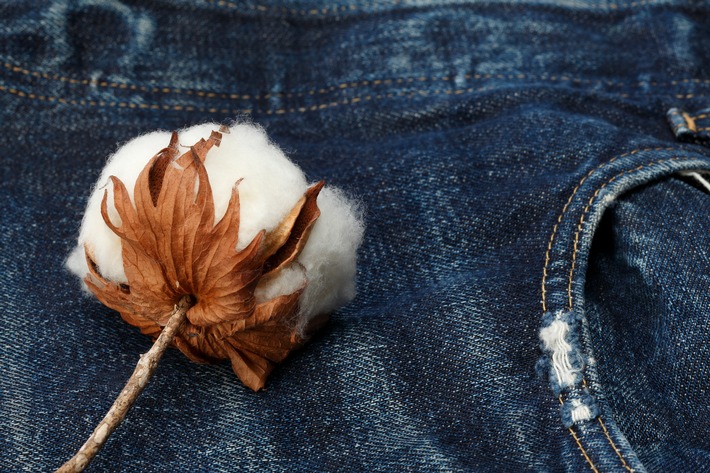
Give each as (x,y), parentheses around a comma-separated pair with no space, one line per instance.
(562,362)
(578,406)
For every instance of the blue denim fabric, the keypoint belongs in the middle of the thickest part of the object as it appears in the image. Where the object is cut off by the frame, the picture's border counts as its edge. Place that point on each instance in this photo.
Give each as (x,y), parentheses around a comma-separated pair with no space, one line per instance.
(517,163)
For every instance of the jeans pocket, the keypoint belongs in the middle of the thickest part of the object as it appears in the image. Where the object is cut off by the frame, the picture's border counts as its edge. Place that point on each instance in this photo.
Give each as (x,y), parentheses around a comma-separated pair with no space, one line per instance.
(626,303)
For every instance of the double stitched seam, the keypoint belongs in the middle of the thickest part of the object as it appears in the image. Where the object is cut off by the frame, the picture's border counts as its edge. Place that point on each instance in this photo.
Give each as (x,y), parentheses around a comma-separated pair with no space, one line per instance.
(584,452)
(572,269)
(103,103)
(342,86)
(613,445)
(282,111)
(236,96)
(587,208)
(582,221)
(564,211)
(579,443)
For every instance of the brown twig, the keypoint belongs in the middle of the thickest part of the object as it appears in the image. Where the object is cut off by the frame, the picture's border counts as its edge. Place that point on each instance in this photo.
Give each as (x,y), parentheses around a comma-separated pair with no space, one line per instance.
(144,371)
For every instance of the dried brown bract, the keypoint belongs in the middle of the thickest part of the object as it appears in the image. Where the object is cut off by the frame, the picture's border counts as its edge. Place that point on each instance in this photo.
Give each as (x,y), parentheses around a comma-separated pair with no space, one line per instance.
(172,247)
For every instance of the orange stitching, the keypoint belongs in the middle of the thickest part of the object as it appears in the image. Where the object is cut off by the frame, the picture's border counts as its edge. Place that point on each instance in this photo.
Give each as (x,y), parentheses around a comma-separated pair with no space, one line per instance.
(584,452)
(586,210)
(685,81)
(554,231)
(690,121)
(101,103)
(574,257)
(613,445)
(325,90)
(606,433)
(281,111)
(579,442)
(564,210)
(233,96)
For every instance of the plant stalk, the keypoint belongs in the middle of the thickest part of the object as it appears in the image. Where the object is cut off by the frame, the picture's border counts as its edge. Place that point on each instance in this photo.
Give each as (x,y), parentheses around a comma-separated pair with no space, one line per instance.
(145,368)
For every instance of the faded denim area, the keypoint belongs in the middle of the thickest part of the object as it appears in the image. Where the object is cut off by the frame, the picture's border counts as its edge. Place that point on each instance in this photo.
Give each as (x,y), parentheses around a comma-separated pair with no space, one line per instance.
(485,140)
(649,273)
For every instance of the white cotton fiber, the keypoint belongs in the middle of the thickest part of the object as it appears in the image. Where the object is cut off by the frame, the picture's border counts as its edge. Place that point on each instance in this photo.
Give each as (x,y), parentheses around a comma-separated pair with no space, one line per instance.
(270,186)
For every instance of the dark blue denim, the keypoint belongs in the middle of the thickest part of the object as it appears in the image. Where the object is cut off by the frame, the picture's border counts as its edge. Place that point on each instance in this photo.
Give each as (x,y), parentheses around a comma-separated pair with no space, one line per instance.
(534,287)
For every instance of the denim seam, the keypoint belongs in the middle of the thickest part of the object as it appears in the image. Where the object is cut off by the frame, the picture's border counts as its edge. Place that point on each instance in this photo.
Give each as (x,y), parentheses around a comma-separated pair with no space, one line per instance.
(580,225)
(593,198)
(281,111)
(613,445)
(587,208)
(246,111)
(344,85)
(584,451)
(551,241)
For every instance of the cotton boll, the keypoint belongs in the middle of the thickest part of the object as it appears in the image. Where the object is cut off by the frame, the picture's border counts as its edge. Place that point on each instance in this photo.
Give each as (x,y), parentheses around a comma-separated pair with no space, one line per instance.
(269,185)
(329,257)
(104,245)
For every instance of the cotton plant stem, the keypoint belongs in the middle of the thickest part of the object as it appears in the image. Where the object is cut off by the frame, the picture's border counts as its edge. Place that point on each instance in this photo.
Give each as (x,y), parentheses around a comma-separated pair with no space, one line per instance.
(144,371)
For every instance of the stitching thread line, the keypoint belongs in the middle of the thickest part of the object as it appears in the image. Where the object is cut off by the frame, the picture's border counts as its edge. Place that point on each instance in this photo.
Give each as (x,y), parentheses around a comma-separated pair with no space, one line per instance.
(606,433)
(579,443)
(341,86)
(608,436)
(566,206)
(247,111)
(587,208)
(571,282)
(321,106)
(281,111)
(584,452)
(580,225)
(613,445)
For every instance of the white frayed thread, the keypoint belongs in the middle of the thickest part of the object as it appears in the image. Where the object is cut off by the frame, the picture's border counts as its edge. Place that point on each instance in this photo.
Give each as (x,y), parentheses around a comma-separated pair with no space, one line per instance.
(580,412)
(698,177)
(554,339)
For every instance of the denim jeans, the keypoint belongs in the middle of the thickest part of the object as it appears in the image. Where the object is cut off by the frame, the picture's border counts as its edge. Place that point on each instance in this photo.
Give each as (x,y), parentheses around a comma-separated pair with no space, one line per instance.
(534,286)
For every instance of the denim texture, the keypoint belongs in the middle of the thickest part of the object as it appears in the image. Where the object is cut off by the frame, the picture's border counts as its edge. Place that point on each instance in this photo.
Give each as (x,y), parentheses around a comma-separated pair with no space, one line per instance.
(533,286)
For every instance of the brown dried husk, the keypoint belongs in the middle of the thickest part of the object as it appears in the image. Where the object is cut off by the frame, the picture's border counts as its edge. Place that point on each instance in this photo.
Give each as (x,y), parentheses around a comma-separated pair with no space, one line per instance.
(171,247)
